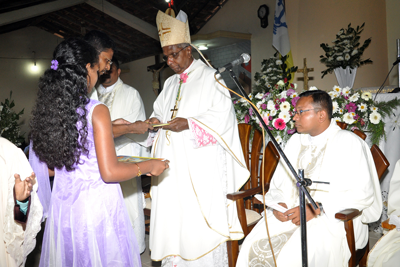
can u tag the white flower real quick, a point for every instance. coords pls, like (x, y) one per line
(269, 86)
(335, 107)
(284, 116)
(346, 91)
(362, 107)
(339, 58)
(354, 97)
(337, 119)
(251, 96)
(280, 83)
(375, 117)
(346, 50)
(335, 94)
(291, 124)
(294, 95)
(269, 69)
(295, 86)
(259, 104)
(312, 88)
(330, 58)
(259, 95)
(278, 139)
(265, 114)
(340, 111)
(395, 122)
(331, 94)
(285, 106)
(347, 57)
(374, 109)
(340, 32)
(348, 118)
(355, 51)
(1, 108)
(337, 89)
(366, 96)
(270, 105)
(273, 112)
(283, 94)
(278, 62)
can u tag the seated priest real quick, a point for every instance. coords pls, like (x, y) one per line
(329, 154)
(191, 218)
(20, 210)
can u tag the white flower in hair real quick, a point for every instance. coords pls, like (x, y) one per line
(312, 88)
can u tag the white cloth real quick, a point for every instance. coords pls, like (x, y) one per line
(335, 156)
(190, 213)
(394, 192)
(125, 102)
(16, 243)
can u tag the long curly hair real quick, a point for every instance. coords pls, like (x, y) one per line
(58, 125)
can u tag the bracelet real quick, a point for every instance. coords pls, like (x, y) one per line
(139, 172)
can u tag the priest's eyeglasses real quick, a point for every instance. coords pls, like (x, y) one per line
(108, 62)
(173, 55)
(299, 112)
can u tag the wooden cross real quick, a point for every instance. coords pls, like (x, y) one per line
(305, 72)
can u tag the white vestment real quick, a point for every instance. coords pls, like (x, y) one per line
(335, 156)
(125, 102)
(190, 215)
(16, 243)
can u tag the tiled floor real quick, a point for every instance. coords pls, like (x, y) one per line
(34, 257)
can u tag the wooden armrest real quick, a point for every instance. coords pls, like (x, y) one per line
(348, 214)
(147, 195)
(249, 192)
(386, 225)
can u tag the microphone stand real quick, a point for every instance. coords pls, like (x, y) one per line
(301, 181)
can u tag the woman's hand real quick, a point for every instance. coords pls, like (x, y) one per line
(158, 167)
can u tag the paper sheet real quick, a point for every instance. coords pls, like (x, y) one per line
(272, 206)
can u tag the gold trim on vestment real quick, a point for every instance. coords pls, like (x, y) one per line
(199, 256)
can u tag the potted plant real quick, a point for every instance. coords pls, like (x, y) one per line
(344, 56)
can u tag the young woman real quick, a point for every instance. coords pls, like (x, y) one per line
(87, 221)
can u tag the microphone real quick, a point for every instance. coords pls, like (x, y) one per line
(244, 58)
(397, 61)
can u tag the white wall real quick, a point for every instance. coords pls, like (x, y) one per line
(393, 33)
(16, 59)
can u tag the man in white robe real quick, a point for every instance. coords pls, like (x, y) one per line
(124, 102)
(326, 153)
(191, 218)
(19, 225)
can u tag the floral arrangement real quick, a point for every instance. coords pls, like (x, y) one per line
(360, 111)
(276, 108)
(345, 51)
(9, 127)
(273, 70)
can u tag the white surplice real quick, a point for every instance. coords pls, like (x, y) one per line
(336, 156)
(190, 215)
(125, 102)
(16, 243)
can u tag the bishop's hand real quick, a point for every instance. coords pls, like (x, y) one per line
(177, 125)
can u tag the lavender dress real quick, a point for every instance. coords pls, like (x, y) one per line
(87, 221)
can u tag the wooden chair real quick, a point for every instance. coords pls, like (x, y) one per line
(359, 257)
(249, 215)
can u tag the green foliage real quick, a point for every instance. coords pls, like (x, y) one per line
(345, 51)
(9, 127)
(273, 69)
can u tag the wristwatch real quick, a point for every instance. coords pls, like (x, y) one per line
(320, 207)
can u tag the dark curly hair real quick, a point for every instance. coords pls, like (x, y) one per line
(58, 124)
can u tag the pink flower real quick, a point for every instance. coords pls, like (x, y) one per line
(183, 77)
(277, 106)
(291, 131)
(266, 94)
(354, 128)
(290, 92)
(270, 128)
(265, 119)
(282, 100)
(270, 118)
(294, 100)
(351, 107)
(251, 111)
(246, 118)
(362, 122)
(279, 124)
(264, 106)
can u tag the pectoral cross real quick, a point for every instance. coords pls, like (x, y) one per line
(174, 111)
(305, 72)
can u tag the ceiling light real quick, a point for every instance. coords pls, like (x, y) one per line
(203, 47)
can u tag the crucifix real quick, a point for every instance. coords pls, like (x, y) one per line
(305, 72)
(174, 111)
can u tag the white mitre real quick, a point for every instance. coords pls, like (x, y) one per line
(172, 30)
